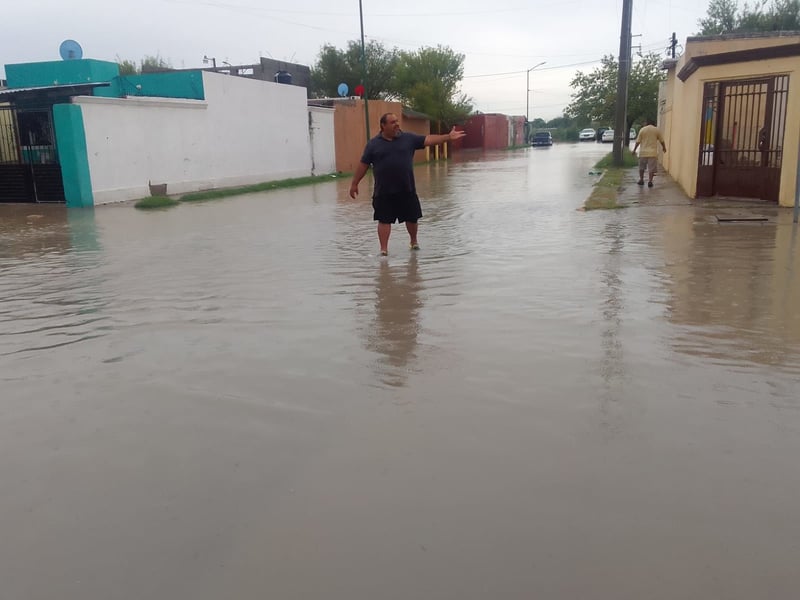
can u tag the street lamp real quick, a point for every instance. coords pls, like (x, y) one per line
(528, 90)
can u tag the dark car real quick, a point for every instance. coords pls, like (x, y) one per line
(542, 138)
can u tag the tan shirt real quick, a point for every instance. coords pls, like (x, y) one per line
(648, 139)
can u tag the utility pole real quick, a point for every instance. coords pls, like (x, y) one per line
(620, 125)
(364, 69)
(673, 43)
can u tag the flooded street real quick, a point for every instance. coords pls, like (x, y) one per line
(240, 399)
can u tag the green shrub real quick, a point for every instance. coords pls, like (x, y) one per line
(155, 202)
(257, 187)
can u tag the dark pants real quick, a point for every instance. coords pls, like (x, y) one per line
(397, 207)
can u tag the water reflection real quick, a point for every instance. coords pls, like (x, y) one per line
(612, 304)
(27, 229)
(48, 278)
(612, 307)
(268, 398)
(82, 229)
(396, 326)
(734, 289)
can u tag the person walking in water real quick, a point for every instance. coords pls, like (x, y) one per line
(391, 155)
(649, 138)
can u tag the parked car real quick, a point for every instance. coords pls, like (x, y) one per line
(586, 135)
(608, 136)
(542, 138)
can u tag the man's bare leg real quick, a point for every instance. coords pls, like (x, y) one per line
(412, 233)
(384, 229)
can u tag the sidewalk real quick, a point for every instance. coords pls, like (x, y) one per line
(666, 192)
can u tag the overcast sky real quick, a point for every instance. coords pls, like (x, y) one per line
(500, 39)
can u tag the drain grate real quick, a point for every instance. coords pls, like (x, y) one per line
(741, 219)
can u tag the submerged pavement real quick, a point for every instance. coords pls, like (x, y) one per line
(240, 398)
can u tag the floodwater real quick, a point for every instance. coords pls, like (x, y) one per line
(239, 399)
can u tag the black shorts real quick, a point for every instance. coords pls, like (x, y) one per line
(397, 207)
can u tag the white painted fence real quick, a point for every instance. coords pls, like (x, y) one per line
(244, 132)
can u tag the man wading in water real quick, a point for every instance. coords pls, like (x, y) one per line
(391, 154)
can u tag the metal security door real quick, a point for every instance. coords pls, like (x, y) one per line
(748, 145)
(29, 165)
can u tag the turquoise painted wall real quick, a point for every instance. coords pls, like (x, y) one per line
(170, 84)
(60, 72)
(71, 145)
(173, 84)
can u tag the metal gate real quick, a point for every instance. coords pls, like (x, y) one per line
(29, 166)
(741, 140)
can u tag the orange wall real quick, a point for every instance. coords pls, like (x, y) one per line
(487, 131)
(350, 129)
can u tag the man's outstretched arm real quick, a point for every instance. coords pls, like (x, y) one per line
(432, 140)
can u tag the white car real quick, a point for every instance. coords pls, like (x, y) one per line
(586, 135)
(608, 136)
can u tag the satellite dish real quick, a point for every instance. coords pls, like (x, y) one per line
(70, 50)
(342, 89)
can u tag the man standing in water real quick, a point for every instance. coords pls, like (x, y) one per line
(649, 137)
(391, 154)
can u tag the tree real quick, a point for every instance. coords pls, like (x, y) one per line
(335, 66)
(724, 16)
(720, 17)
(428, 81)
(154, 64)
(561, 122)
(595, 98)
(149, 64)
(643, 83)
(785, 15)
(126, 67)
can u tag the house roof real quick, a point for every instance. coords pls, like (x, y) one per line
(52, 92)
(738, 56)
(741, 35)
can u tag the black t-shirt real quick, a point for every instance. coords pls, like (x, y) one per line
(393, 162)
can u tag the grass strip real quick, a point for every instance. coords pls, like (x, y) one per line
(258, 187)
(153, 202)
(629, 159)
(605, 193)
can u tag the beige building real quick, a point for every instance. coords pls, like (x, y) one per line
(730, 114)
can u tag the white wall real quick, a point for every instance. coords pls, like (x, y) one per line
(245, 131)
(323, 145)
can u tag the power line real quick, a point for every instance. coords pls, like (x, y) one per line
(590, 62)
(449, 14)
